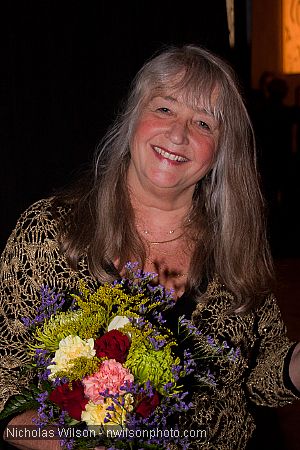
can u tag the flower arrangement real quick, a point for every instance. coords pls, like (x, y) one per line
(107, 363)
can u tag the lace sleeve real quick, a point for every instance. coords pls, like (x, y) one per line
(27, 259)
(266, 383)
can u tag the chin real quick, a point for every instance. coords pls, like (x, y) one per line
(164, 180)
(164, 184)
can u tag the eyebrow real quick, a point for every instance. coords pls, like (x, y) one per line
(175, 100)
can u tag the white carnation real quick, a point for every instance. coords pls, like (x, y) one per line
(70, 348)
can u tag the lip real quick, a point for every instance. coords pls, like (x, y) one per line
(170, 156)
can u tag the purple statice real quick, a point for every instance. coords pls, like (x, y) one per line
(168, 387)
(221, 350)
(142, 282)
(26, 321)
(176, 371)
(59, 381)
(43, 418)
(107, 418)
(158, 317)
(61, 421)
(67, 443)
(157, 343)
(50, 304)
(171, 403)
(42, 361)
(44, 375)
(188, 327)
(162, 295)
(111, 407)
(189, 363)
(211, 342)
(225, 345)
(211, 378)
(148, 389)
(234, 354)
(207, 379)
(136, 277)
(41, 358)
(42, 397)
(143, 309)
(139, 322)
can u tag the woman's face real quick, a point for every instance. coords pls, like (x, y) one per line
(173, 145)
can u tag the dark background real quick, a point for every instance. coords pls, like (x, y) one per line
(65, 68)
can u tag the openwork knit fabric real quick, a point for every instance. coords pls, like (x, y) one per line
(32, 259)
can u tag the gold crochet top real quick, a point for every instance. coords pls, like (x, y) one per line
(32, 259)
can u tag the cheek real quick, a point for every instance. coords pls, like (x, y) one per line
(206, 153)
(144, 130)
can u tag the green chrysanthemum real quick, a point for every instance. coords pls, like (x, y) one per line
(148, 364)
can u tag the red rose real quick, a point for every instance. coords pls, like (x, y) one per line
(71, 400)
(114, 345)
(147, 405)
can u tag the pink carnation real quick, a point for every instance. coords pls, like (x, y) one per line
(110, 378)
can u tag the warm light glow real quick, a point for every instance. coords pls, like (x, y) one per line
(230, 21)
(291, 36)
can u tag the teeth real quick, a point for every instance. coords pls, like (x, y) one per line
(170, 155)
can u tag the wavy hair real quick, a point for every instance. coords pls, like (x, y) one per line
(227, 213)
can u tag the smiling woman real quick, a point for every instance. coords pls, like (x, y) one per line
(175, 188)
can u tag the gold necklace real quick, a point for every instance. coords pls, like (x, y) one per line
(166, 241)
(172, 231)
(168, 232)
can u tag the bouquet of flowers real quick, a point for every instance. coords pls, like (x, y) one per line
(108, 367)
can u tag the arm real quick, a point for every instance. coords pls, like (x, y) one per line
(36, 444)
(268, 383)
(26, 419)
(294, 367)
(29, 260)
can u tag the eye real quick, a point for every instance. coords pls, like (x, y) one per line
(163, 110)
(203, 124)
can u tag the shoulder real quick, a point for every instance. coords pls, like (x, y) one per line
(39, 218)
(37, 226)
(42, 211)
(219, 301)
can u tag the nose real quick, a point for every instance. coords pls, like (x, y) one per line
(177, 132)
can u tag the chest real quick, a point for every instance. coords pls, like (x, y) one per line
(170, 261)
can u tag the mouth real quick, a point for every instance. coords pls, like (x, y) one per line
(168, 155)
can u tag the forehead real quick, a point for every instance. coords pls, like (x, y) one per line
(199, 102)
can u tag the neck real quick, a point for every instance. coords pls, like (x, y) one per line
(157, 214)
(160, 204)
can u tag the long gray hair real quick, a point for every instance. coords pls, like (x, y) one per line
(227, 211)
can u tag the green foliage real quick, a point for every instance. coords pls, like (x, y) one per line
(20, 403)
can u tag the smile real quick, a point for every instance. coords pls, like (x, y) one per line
(170, 156)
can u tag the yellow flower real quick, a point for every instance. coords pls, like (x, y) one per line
(70, 348)
(95, 414)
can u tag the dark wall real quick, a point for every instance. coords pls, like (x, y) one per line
(65, 68)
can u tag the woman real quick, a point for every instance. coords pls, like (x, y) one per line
(175, 187)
